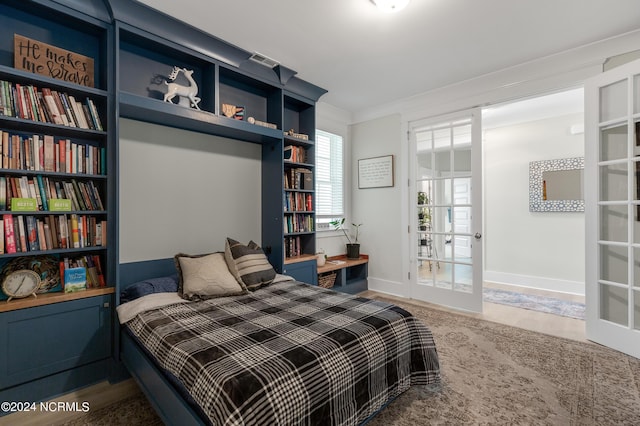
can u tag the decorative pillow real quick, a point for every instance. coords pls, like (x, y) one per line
(167, 284)
(248, 264)
(205, 276)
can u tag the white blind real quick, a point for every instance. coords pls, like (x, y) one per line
(329, 178)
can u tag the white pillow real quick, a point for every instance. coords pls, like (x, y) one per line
(206, 277)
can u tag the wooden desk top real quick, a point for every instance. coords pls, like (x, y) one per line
(328, 267)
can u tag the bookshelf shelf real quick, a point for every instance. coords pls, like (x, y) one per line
(51, 298)
(159, 112)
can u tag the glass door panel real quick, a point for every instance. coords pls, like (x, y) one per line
(614, 305)
(613, 182)
(613, 143)
(613, 101)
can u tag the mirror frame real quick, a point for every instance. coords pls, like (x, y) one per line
(536, 201)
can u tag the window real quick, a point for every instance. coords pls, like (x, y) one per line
(329, 179)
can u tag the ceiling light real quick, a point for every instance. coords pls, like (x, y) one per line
(390, 5)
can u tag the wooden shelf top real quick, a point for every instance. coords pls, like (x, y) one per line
(301, 258)
(50, 298)
(328, 266)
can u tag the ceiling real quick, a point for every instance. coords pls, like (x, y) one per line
(366, 58)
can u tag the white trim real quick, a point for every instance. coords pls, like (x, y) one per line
(393, 288)
(542, 75)
(540, 283)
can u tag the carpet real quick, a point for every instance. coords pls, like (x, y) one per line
(492, 374)
(545, 304)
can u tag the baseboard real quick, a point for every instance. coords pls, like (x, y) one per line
(392, 288)
(541, 283)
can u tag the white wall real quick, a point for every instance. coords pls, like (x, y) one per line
(184, 192)
(379, 209)
(553, 73)
(536, 249)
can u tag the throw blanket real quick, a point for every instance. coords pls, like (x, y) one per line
(290, 354)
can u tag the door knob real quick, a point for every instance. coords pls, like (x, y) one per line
(477, 236)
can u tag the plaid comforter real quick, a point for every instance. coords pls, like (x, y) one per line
(290, 354)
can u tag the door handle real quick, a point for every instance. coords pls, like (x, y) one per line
(477, 236)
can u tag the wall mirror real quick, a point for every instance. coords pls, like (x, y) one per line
(556, 185)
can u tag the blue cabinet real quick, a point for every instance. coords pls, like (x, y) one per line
(55, 348)
(305, 271)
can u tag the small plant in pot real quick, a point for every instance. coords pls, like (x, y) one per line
(353, 246)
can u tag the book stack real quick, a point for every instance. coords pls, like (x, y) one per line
(295, 154)
(28, 233)
(292, 246)
(81, 273)
(81, 195)
(298, 202)
(298, 223)
(47, 106)
(45, 154)
(298, 178)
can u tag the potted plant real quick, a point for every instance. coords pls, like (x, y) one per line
(353, 246)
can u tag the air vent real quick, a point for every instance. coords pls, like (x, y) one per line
(264, 60)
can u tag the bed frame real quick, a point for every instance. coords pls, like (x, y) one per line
(163, 396)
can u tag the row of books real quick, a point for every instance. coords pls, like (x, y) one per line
(298, 202)
(295, 154)
(298, 178)
(298, 223)
(47, 106)
(81, 273)
(82, 195)
(292, 246)
(45, 154)
(25, 233)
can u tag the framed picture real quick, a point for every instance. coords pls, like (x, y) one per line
(376, 172)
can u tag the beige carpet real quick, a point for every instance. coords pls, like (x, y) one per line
(492, 374)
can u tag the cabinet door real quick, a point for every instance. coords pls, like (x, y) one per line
(48, 339)
(303, 271)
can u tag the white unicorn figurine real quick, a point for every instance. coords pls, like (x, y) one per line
(175, 89)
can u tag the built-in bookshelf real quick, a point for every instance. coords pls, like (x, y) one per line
(237, 99)
(299, 178)
(55, 194)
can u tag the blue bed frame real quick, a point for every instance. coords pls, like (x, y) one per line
(167, 401)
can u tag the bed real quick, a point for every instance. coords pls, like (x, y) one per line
(282, 354)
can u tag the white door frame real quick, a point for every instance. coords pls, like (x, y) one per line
(471, 301)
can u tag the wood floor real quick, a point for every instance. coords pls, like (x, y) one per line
(104, 394)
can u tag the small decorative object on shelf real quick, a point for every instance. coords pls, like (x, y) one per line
(46, 267)
(300, 136)
(21, 283)
(252, 120)
(233, 111)
(187, 94)
(52, 61)
(321, 257)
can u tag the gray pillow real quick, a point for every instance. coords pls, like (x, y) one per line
(248, 264)
(205, 276)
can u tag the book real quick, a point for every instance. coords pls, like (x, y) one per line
(10, 241)
(75, 279)
(32, 233)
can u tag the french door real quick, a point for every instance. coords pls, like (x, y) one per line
(612, 208)
(445, 204)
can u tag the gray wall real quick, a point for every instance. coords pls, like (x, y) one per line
(184, 192)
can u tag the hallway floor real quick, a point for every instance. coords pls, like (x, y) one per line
(556, 325)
